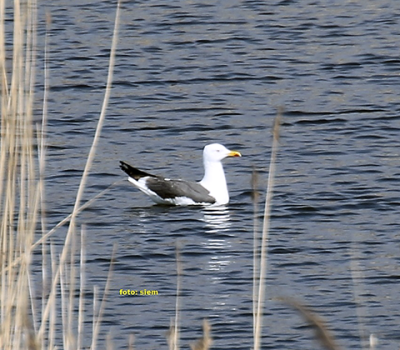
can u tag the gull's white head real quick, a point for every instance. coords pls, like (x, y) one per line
(216, 152)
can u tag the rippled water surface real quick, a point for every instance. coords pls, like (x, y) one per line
(193, 72)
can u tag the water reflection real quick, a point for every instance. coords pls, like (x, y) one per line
(217, 222)
(217, 219)
(220, 260)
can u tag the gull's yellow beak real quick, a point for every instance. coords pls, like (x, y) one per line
(234, 154)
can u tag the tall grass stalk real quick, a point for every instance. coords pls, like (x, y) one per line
(173, 332)
(265, 238)
(98, 316)
(254, 184)
(202, 343)
(357, 276)
(19, 194)
(82, 279)
(42, 240)
(178, 291)
(322, 333)
(41, 134)
(24, 325)
(71, 229)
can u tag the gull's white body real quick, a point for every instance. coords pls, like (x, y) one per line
(214, 176)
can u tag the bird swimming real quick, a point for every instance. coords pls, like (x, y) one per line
(212, 189)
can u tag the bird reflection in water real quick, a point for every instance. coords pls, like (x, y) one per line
(217, 224)
(217, 219)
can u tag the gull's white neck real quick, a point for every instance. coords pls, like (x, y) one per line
(214, 181)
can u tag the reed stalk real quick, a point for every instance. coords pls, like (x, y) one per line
(173, 332)
(322, 333)
(262, 268)
(178, 291)
(25, 321)
(19, 192)
(71, 229)
(255, 195)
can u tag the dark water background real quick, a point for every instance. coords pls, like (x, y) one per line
(193, 72)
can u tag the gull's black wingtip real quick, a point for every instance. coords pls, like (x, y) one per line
(133, 172)
(124, 166)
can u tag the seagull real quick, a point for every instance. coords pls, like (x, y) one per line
(212, 189)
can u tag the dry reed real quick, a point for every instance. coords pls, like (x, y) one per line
(28, 322)
(260, 263)
(322, 333)
(204, 343)
(260, 258)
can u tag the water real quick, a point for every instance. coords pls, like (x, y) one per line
(189, 73)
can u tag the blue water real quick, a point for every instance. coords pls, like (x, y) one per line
(190, 73)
